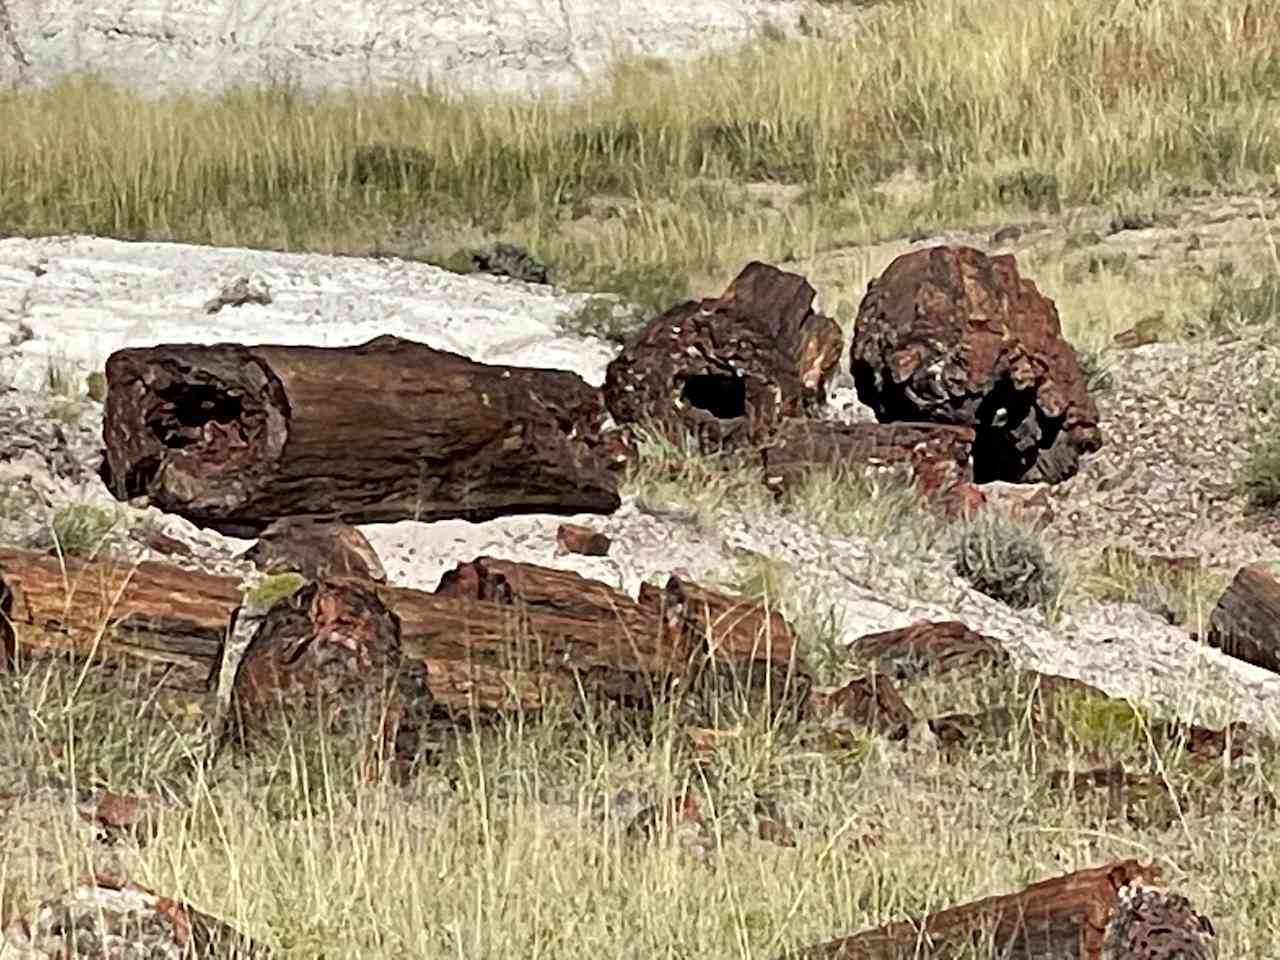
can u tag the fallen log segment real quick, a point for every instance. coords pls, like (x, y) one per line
(150, 614)
(1092, 914)
(797, 447)
(1246, 622)
(499, 636)
(236, 437)
(725, 369)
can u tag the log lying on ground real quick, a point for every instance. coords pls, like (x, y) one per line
(1095, 914)
(798, 446)
(725, 369)
(235, 437)
(670, 632)
(1246, 622)
(150, 614)
(542, 636)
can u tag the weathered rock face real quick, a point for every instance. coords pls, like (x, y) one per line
(950, 335)
(728, 369)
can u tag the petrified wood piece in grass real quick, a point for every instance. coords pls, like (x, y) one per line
(1101, 913)
(936, 646)
(674, 632)
(236, 437)
(725, 369)
(950, 335)
(797, 447)
(316, 549)
(108, 916)
(1246, 622)
(151, 614)
(872, 702)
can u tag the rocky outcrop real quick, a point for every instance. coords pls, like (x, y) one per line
(950, 335)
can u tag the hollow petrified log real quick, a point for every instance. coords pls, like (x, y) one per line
(725, 369)
(151, 614)
(235, 437)
(1102, 913)
(1246, 622)
(950, 335)
(798, 446)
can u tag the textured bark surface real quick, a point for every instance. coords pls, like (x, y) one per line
(950, 335)
(315, 549)
(726, 369)
(798, 446)
(1246, 622)
(234, 437)
(1063, 918)
(932, 646)
(152, 614)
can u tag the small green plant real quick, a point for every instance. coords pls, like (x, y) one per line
(1005, 561)
(1259, 477)
(77, 530)
(96, 386)
(271, 590)
(604, 318)
(1034, 188)
(1236, 303)
(1097, 371)
(59, 378)
(500, 259)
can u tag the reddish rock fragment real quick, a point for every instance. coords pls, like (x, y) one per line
(871, 702)
(572, 538)
(107, 917)
(316, 548)
(936, 646)
(950, 335)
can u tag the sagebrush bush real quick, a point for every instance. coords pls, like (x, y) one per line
(77, 529)
(1007, 562)
(1259, 477)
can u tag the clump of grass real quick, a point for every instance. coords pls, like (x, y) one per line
(500, 259)
(1007, 562)
(1259, 476)
(79, 529)
(605, 318)
(96, 386)
(1036, 189)
(1172, 591)
(1237, 303)
(1097, 370)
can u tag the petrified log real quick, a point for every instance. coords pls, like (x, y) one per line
(673, 631)
(316, 549)
(936, 646)
(798, 446)
(235, 437)
(573, 538)
(1246, 622)
(151, 614)
(950, 335)
(1102, 913)
(725, 369)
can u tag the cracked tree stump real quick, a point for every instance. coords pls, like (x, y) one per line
(1104, 913)
(726, 369)
(235, 437)
(1246, 622)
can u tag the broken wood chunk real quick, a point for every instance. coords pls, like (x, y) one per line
(237, 437)
(871, 702)
(797, 447)
(572, 538)
(937, 647)
(726, 369)
(1101, 913)
(315, 548)
(1246, 622)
